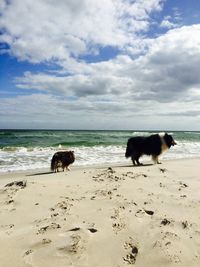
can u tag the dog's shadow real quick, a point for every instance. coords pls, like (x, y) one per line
(135, 166)
(118, 166)
(39, 173)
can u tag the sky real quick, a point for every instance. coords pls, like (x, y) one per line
(108, 65)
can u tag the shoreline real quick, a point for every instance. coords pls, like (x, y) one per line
(43, 171)
(107, 215)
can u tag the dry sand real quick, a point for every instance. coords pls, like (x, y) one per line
(144, 216)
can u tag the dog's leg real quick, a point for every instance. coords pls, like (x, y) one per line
(55, 167)
(138, 163)
(137, 157)
(63, 166)
(68, 168)
(155, 159)
(133, 160)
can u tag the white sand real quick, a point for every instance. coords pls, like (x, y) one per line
(142, 216)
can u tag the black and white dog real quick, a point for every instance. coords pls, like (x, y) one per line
(152, 145)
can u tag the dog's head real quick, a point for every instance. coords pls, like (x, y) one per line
(68, 152)
(70, 155)
(169, 140)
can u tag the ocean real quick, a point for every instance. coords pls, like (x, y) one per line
(33, 149)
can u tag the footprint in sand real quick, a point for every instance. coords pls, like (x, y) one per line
(107, 175)
(35, 247)
(103, 194)
(185, 224)
(19, 184)
(131, 256)
(165, 222)
(118, 226)
(182, 186)
(64, 206)
(140, 213)
(57, 212)
(8, 228)
(9, 192)
(163, 170)
(118, 223)
(62, 249)
(51, 226)
(39, 244)
(91, 230)
(74, 247)
(74, 229)
(171, 246)
(28, 257)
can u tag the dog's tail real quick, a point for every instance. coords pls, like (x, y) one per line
(128, 150)
(53, 161)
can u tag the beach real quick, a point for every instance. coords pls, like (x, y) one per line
(23, 150)
(102, 216)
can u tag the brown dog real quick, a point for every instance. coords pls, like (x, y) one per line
(62, 159)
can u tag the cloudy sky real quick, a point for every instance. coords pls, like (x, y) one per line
(109, 64)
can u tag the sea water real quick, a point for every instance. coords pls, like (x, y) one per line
(33, 149)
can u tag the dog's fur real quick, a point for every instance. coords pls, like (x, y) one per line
(62, 159)
(152, 145)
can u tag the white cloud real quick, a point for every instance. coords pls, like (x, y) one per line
(166, 23)
(151, 82)
(80, 85)
(46, 111)
(156, 86)
(44, 30)
(169, 22)
(162, 74)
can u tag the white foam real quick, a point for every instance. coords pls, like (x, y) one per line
(21, 158)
